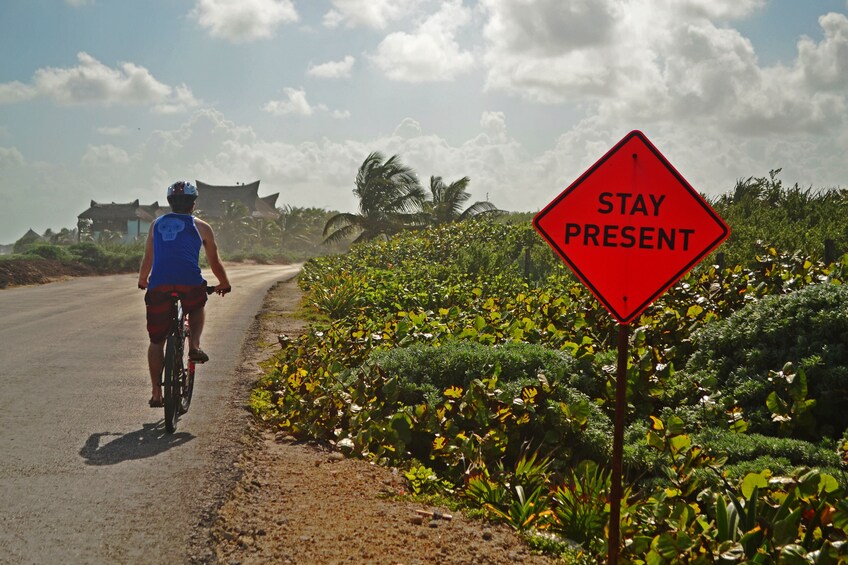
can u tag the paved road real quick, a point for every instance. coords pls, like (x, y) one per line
(86, 469)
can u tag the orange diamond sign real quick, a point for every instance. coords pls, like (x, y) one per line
(630, 227)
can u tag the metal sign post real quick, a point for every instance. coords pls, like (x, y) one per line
(618, 445)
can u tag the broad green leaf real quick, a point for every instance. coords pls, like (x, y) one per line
(786, 530)
(675, 425)
(679, 443)
(793, 554)
(828, 483)
(403, 426)
(655, 441)
(776, 404)
(694, 311)
(751, 482)
(739, 426)
(840, 517)
(665, 546)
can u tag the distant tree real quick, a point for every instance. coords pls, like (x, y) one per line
(301, 228)
(265, 233)
(64, 237)
(390, 198)
(447, 201)
(235, 228)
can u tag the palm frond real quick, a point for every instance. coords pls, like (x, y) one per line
(344, 233)
(341, 220)
(483, 208)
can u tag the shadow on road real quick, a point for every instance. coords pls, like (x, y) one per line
(150, 440)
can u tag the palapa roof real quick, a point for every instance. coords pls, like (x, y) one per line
(128, 211)
(211, 199)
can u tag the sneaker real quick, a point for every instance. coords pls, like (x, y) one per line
(198, 356)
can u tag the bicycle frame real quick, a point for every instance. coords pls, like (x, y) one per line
(177, 378)
(178, 374)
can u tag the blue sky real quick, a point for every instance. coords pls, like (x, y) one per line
(113, 100)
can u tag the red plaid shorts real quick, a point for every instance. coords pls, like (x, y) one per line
(158, 301)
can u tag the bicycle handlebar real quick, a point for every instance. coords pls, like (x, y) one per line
(221, 291)
(209, 289)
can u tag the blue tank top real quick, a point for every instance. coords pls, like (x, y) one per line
(176, 251)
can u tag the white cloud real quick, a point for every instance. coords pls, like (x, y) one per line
(10, 157)
(243, 20)
(322, 173)
(369, 13)
(113, 130)
(431, 53)
(92, 82)
(825, 64)
(494, 125)
(181, 101)
(719, 9)
(104, 156)
(659, 62)
(11, 92)
(408, 128)
(333, 69)
(549, 27)
(294, 104)
(551, 51)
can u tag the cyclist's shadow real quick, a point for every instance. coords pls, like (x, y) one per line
(150, 440)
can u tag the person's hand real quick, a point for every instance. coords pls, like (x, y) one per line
(221, 290)
(142, 285)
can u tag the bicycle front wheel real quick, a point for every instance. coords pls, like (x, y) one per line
(171, 389)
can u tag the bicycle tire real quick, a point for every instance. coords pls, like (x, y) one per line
(186, 377)
(171, 384)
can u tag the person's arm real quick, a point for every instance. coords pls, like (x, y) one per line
(211, 248)
(147, 261)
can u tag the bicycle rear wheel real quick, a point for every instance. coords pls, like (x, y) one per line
(186, 378)
(171, 390)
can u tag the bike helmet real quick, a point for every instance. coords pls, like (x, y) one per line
(182, 188)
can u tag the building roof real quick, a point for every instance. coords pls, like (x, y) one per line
(128, 211)
(211, 199)
(31, 236)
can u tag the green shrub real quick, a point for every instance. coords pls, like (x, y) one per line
(567, 421)
(424, 371)
(744, 453)
(808, 327)
(88, 253)
(748, 447)
(49, 251)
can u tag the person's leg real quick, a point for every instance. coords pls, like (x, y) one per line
(194, 300)
(158, 318)
(196, 320)
(156, 362)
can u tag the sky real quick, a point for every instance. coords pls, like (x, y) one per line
(113, 100)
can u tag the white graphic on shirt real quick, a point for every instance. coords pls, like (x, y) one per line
(169, 228)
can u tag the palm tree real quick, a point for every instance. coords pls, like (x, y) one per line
(390, 198)
(301, 228)
(233, 227)
(448, 200)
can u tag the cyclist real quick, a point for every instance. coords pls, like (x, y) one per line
(171, 264)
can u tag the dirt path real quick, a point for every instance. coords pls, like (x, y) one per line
(298, 503)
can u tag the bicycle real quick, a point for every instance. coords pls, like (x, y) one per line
(177, 379)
